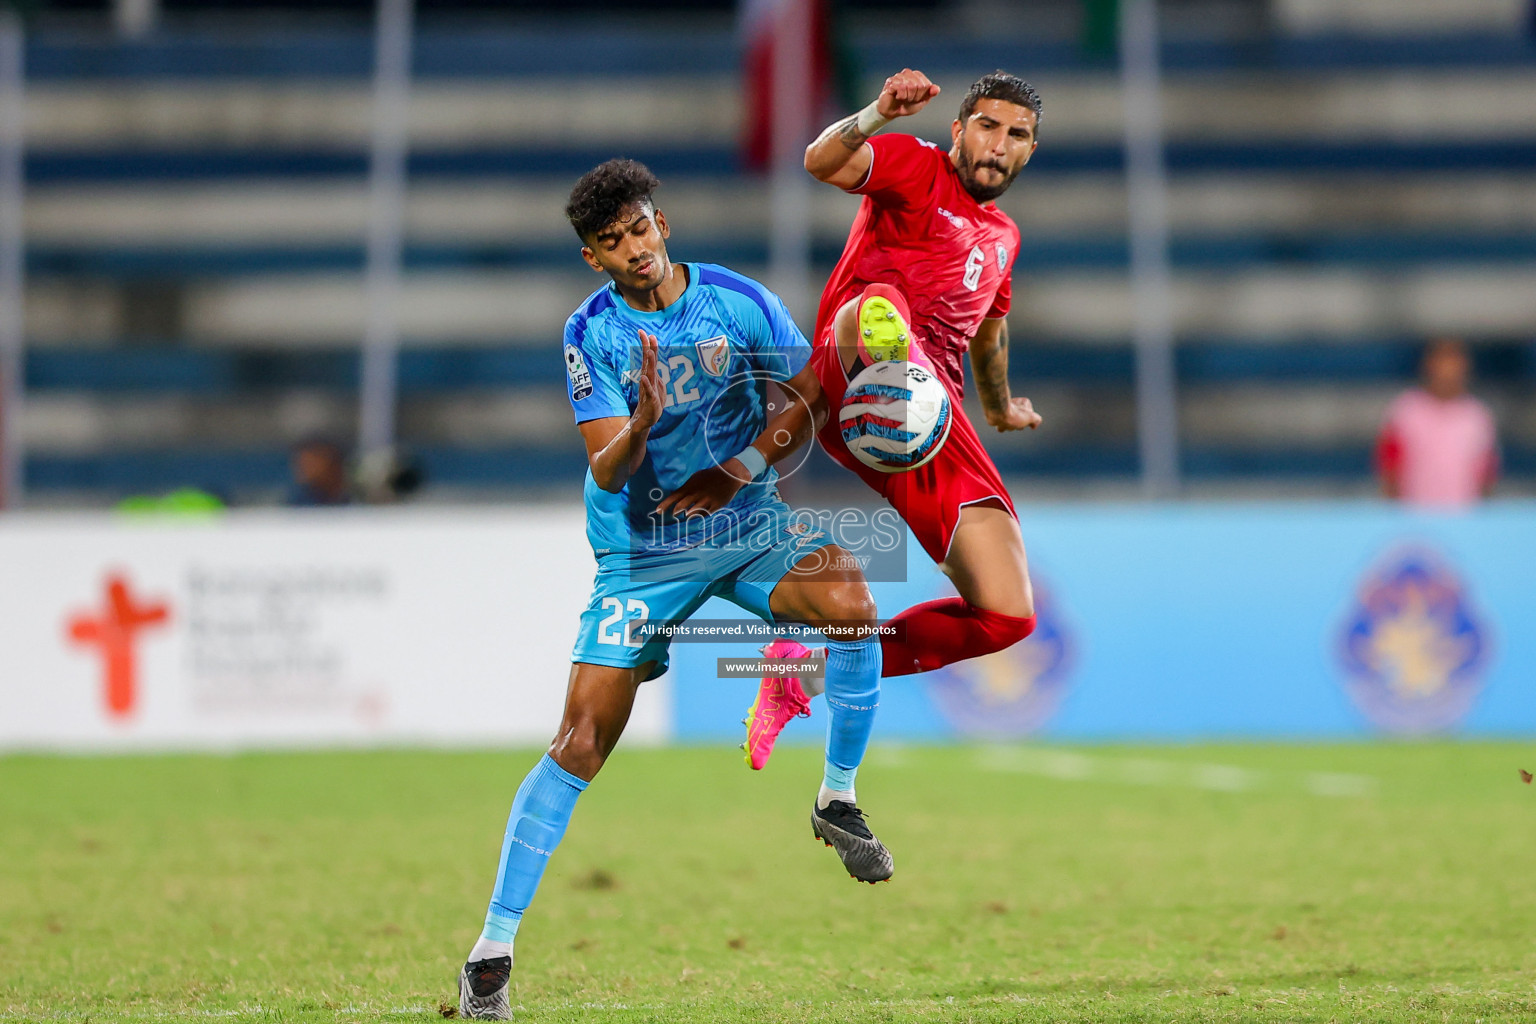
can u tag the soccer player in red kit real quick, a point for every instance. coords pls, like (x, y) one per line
(925, 276)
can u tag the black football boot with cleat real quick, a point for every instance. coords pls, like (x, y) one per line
(841, 826)
(483, 989)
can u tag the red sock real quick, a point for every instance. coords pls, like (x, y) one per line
(938, 633)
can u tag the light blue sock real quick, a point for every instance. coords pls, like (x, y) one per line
(540, 813)
(853, 694)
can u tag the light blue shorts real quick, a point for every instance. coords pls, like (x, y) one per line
(743, 568)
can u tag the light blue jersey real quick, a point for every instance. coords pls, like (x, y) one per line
(721, 342)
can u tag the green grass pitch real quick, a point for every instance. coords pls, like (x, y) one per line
(1388, 882)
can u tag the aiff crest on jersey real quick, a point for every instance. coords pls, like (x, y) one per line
(1412, 646)
(714, 354)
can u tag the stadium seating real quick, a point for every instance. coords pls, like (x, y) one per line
(197, 205)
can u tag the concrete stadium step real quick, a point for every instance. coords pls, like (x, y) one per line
(326, 116)
(204, 220)
(1303, 302)
(1254, 415)
(322, 212)
(1271, 106)
(56, 423)
(307, 310)
(1314, 53)
(327, 309)
(1381, 157)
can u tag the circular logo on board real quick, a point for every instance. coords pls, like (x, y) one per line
(1413, 647)
(1013, 692)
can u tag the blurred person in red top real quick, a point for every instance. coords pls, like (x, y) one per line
(1438, 445)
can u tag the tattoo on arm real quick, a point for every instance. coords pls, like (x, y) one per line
(990, 368)
(847, 132)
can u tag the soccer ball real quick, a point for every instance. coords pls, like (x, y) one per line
(895, 416)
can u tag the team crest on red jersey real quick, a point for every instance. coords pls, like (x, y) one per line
(1002, 258)
(714, 354)
(1413, 648)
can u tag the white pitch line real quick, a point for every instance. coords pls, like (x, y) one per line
(1226, 778)
(1071, 766)
(1142, 771)
(1056, 764)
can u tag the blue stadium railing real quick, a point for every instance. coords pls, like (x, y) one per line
(146, 368)
(245, 471)
(1374, 157)
(487, 51)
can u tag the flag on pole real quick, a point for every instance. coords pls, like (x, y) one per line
(766, 27)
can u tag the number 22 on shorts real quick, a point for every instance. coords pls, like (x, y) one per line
(638, 612)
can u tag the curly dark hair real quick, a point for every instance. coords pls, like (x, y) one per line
(606, 191)
(1000, 85)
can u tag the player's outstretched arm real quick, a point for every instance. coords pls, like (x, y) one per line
(615, 445)
(839, 155)
(712, 488)
(989, 365)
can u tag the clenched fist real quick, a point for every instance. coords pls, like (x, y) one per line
(905, 93)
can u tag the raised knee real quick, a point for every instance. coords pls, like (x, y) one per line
(1019, 604)
(579, 749)
(845, 323)
(1003, 631)
(853, 606)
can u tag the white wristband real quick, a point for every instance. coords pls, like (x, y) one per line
(755, 461)
(871, 120)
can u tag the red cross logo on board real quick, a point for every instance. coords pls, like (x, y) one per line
(114, 632)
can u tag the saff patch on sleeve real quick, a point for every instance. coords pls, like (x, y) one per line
(576, 370)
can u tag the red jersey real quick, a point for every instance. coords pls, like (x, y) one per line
(919, 230)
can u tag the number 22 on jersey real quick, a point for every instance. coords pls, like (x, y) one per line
(675, 373)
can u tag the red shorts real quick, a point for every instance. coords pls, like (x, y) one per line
(930, 497)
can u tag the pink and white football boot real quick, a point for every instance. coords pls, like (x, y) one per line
(779, 699)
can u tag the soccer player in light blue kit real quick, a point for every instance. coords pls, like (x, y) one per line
(667, 368)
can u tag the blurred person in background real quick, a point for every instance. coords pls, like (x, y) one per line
(1438, 446)
(319, 468)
